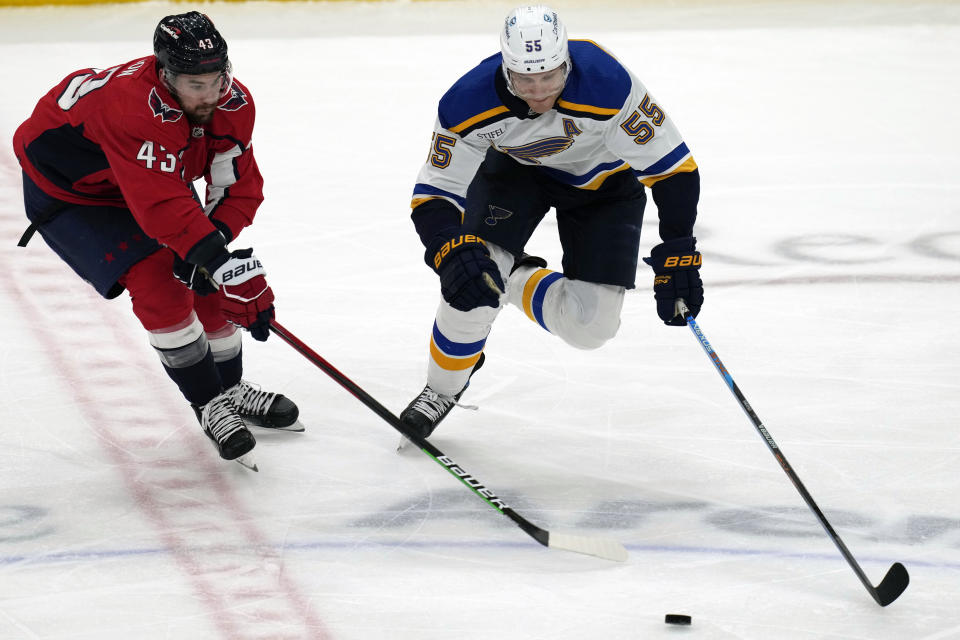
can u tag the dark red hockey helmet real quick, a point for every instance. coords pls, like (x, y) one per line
(188, 43)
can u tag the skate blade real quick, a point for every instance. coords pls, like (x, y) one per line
(296, 427)
(248, 462)
(404, 442)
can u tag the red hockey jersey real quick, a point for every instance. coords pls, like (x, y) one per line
(117, 137)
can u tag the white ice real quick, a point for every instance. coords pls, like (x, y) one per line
(827, 137)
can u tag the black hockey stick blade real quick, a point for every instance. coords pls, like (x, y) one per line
(892, 585)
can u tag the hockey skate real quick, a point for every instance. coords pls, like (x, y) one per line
(260, 408)
(223, 425)
(426, 411)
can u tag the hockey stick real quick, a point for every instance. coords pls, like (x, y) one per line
(600, 547)
(897, 578)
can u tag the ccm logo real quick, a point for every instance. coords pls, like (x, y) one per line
(683, 261)
(452, 244)
(248, 268)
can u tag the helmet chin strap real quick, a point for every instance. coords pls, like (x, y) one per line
(167, 84)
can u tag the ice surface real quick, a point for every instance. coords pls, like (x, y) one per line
(827, 139)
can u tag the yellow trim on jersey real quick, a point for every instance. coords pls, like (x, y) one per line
(529, 289)
(688, 166)
(597, 182)
(586, 108)
(451, 364)
(416, 202)
(489, 113)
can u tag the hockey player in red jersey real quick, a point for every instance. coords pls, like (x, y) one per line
(547, 123)
(109, 159)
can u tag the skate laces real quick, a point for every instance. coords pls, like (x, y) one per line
(220, 418)
(434, 406)
(249, 399)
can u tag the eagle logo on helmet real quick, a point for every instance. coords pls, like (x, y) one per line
(161, 109)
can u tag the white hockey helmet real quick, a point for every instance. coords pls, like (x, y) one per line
(533, 40)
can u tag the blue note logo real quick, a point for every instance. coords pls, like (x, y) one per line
(496, 214)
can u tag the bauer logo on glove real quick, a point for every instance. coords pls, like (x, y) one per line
(676, 264)
(682, 261)
(452, 244)
(235, 272)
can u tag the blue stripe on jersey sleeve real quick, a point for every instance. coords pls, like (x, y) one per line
(471, 95)
(665, 162)
(421, 189)
(597, 78)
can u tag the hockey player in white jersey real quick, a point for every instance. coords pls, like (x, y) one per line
(546, 123)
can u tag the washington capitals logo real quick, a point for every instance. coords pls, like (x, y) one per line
(236, 100)
(173, 32)
(539, 149)
(162, 109)
(496, 213)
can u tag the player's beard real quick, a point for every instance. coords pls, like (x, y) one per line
(202, 114)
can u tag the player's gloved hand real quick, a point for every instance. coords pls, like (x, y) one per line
(246, 298)
(192, 277)
(468, 277)
(676, 267)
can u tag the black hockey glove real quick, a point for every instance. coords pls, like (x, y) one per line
(468, 277)
(676, 268)
(189, 273)
(191, 276)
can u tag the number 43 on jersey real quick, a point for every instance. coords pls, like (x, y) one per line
(146, 154)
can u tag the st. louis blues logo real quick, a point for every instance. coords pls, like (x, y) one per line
(539, 149)
(496, 213)
(236, 100)
(161, 109)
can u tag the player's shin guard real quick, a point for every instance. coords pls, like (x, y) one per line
(456, 351)
(227, 351)
(456, 343)
(583, 314)
(187, 359)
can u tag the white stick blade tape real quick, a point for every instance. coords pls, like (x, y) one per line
(599, 547)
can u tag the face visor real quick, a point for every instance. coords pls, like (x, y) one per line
(199, 87)
(537, 86)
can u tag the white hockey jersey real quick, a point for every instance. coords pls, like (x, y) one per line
(604, 122)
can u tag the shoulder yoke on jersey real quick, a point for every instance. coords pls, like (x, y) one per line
(472, 101)
(598, 85)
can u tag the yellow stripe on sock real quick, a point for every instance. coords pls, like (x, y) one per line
(528, 290)
(451, 364)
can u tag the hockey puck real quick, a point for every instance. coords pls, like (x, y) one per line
(677, 618)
